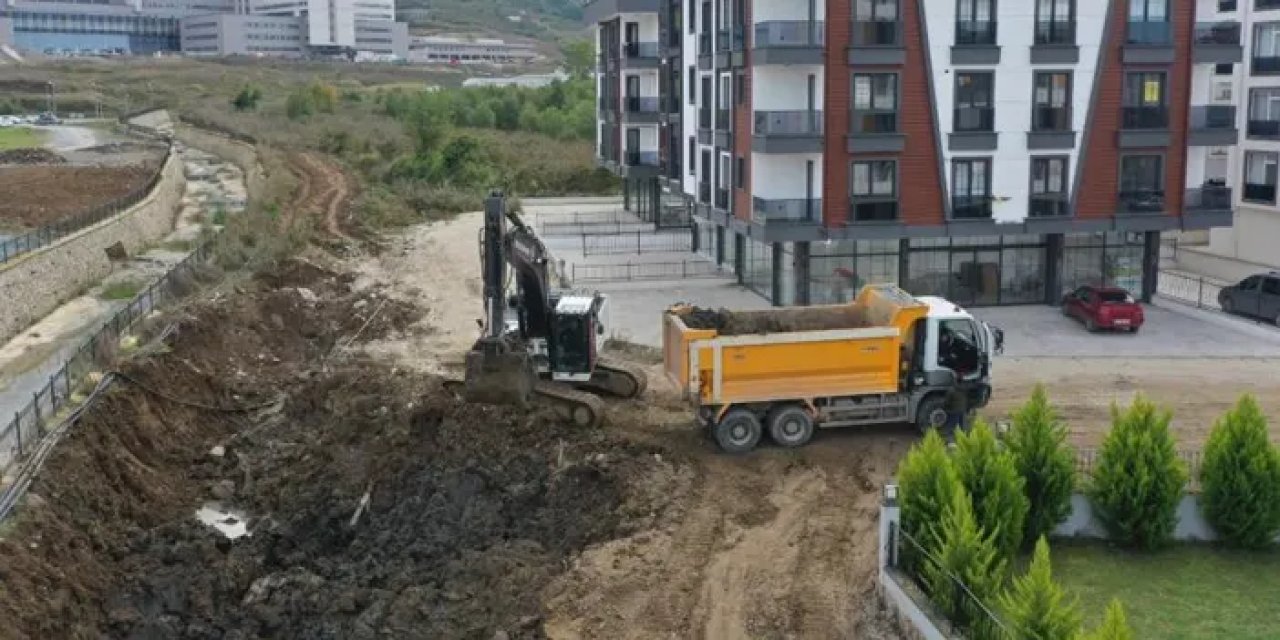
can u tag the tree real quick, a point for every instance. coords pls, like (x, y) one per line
(1046, 464)
(990, 477)
(579, 57)
(1138, 479)
(926, 483)
(247, 99)
(1114, 626)
(1036, 607)
(298, 106)
(1240, 478)
(966, 569)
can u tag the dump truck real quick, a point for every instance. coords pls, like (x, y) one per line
(885, 357)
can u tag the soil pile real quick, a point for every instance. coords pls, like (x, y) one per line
(736, 323)
(30, 155)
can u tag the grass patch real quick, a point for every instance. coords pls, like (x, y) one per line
(121, 290)
(19, 138)
(178, 246)
(1188, 592)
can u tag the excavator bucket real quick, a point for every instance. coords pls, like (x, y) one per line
(499, 374)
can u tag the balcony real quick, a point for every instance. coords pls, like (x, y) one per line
(640, 55)
(1217, 42)
(641, 110)
(865, 210)
(971, 207)
(1051, 129)
(1055, 43)
(1210, 198)
(1141, 201)
(786, 210)
(1265, 65)
(1213, 125)
(788, 132)
(973, 129)
(1146, 126)
(1264, 129)
(1047, 205)
(1265, 193)
(722, 199)
(876, 33)
(789, 42)
(975, 43)
(596, 11)
(641, 159)
(874, 131)
(1148, 42)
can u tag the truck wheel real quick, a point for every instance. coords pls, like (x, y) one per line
(738, 432)
(931, 414)
(790, 426)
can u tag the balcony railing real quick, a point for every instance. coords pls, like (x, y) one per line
(1147, 32)
(722, 198)
(1050, 119)
(704, 118)
(641, 158)
(876, 33)
(790, 33)
(787, 210)
(1055, 32)
(872, 210)
(971, 207)
(640, 50)
(976, 32)
(704, 192)
(1265, 65)
(874, 122)
(640, 104)
(1048, 205)
(974, 119)
(1208, 198)
(1264, 128)
(1151, 117)
(1259, 193)
(1217, 33)
(788, 123)
(1214, 116)
(1142, 201)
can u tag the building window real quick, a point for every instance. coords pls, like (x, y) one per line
(971, 188)
(873, 192)
(693, 86)
(1048, 187)
(1142, 183)
(1266, 4)
(739, 172)
(975, 22)
(1266, 48)
(1260, 177)
(1149, 22)
(1226, 5)
(1144, 101)
(1224, 69)
(693, 156)
(875, 22)
(1264, 112)
(974, 110)
(1055, 22)
(875, 103)
(1051, 102)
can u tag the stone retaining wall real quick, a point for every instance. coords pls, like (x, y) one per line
(34, 284)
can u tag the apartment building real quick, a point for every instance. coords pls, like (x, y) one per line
(994, 152)
(457, 50)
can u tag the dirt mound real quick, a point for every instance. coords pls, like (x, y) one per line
(736, 323)
(30, 155)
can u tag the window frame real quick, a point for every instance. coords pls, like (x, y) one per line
(870, 197)
(962, 37)
(1053, 20)
(975, 76)
(1062, 195)
(1161, 178)
(1066, 99)
(970, 163)
(855, 125)
(1246, 164)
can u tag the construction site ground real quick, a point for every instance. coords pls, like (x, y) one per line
(354, 498)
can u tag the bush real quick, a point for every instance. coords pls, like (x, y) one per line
(1138, 478)
(926, 483)
(1035, 607)
(1047, 466)
(990, 477)
(966, 554)
(1114, 626)
(1240, 478)
(247, 99)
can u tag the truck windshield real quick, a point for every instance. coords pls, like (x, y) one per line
(958, 346)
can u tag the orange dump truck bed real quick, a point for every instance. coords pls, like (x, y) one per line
(723, 358)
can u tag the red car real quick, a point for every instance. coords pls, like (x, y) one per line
(1103, 308)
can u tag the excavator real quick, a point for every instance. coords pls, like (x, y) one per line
(551, 350)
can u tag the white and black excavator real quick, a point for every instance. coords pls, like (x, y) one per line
(552, 351)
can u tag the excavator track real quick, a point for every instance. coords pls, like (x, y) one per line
(582, 408)
(617, 378)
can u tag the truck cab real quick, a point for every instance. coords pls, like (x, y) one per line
(950, 347)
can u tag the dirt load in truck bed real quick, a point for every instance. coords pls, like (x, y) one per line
(736, 323)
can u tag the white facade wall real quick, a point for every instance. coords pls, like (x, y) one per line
(781, 176)
(786, 88)
(771, 10)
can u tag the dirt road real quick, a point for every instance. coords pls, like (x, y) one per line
(324, 193)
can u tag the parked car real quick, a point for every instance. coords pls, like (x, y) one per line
(1103, 308)
(1257, 296)
(47, 118)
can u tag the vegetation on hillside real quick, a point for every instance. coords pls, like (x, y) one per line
(546, 20)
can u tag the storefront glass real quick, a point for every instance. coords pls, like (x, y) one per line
(1107, 259)
(837, 270)
(979, 270)
(758, 269)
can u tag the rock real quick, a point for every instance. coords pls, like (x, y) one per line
(218, 451)
(307, 295)
(500, 635)
(360, 304)
(224, 489)
(529, 621)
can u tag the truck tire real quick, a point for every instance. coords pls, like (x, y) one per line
(931, 414)
(738, 432)
(790, 426)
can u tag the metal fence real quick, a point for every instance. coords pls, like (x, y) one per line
(552, 229)
(1086, 459)
(636, 242)
(1198, 291)
(48, 234)
(969, 615)
(644, 271)
(29, 424)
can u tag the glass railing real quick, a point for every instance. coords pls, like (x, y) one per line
(1050, 119)
(640, 50)
(1214, 116)
(876, 33)
(872, 210)
(971, 207)
(1055, 32)
(1147, 32)
(788, 123)
(790, 33)
(1152, 117)
(1209, 197)
(642, 158)
(874, 122)
(1259, 192)
(1047, 205)
(1264, 129)
(1142, 201)
(976, 32)
(978, 119)
(787, 210)
(1265, 65)
(636, 104)
(1217, 33)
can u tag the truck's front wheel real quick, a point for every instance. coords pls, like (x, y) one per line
(790, 426)
(931, 414)
(738, 432)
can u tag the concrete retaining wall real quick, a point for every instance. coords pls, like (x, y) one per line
(1083, 523)
(34, 284)
(238, 153)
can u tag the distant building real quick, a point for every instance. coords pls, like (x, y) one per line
(530, 80)
(452, 50)
(291, 37)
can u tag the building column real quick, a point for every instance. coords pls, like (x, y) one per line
(1053, 244)
(775, 279)
(802, 274)
(1150, 265)
(904, 263)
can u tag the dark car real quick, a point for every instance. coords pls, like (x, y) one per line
(1256, 296)
(1103, 308)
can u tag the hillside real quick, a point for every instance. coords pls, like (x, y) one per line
(547, 21)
